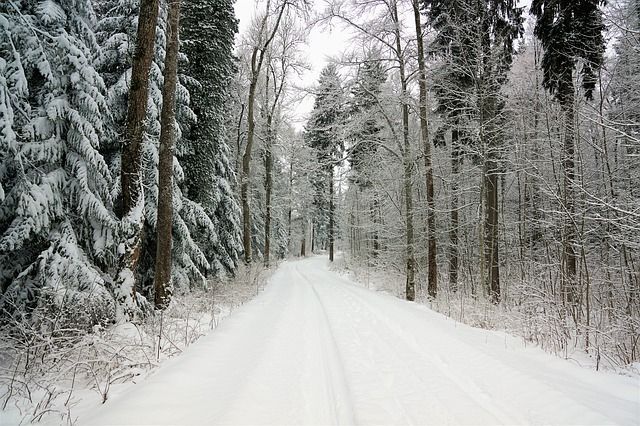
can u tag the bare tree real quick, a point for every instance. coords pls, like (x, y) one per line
(432, 280)
(266, 31)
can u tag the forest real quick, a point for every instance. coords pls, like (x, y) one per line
(478, 157)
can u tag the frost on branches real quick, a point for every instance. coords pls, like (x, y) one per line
(56, 220)
(65, 72)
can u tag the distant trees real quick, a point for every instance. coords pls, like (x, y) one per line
(324, 134)
(364, 135)
(266, 30)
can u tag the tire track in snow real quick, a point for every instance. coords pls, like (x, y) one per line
(427, 383)
(415, 355)
(336, 387)
(474, 370)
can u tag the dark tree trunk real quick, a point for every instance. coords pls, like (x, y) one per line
(290, 211)
(375, 209)
(453, 230)
(268, 185)
(246, 169)
(568, 198)
(162, 282)
(132, 195)
(410, 286)
(491, 230)
(257, 59)
(331, 215)
(432, 281)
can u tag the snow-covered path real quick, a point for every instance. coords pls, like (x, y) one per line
(316, 349)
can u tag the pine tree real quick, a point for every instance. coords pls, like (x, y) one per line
(570, 32)
(57, 228)
(364, 129)
(324, 134)
(205, 154)
(365, 134)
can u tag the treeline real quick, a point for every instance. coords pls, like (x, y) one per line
(113, 141)
(482, 151)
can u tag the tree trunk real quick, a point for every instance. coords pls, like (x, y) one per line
(432, 281)
(130, 180)
(410, 286)
(290, 210)
(331, 214)
(375, 208)
(162, 282)
(246, 170)
(257, 59)
(268, 185)
(568, 198)
(453, 230)
(491, 229)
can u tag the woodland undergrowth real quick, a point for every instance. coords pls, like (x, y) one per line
(44, 375)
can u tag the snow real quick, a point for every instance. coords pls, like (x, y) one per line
(314, 348)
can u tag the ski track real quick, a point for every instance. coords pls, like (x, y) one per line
(314, 348)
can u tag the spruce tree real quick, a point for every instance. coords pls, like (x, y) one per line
(57, 228)
(324, 135)
(207, 33)
(117, 36)
(571, 33)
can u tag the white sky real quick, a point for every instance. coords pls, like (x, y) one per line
(322, 45)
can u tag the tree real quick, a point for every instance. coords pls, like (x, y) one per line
(282, 60)
(453, 43)
(195, 234)
(479, 60)
(57, 229)
(383, 27)
(132, 210)
(324, 135)
(570, 32)
(432, 280)
(162, 282)
(205, 152)
(365, 133)
(266, 32)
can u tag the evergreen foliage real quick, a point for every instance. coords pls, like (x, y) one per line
(57, 227)
(364, 119)
(208, 30)
(323, 133)
(570, 31)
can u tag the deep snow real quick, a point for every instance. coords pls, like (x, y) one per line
(316, 349)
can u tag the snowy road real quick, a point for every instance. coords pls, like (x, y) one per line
(316, 349)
